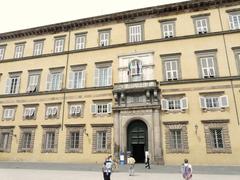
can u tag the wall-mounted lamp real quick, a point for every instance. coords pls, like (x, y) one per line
(196, 128)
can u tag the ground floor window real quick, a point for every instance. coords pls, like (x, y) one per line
(176, 137)
(102, 138)
(217, 136)
(50, 139)
(74, 139)
(26, 141)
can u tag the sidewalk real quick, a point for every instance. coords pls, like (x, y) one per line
(139, 168)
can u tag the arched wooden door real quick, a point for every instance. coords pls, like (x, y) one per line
(137, 140)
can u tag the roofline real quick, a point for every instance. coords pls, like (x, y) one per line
(125, 16)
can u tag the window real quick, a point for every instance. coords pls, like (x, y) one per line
(135, 70)
(168, 29)
(75, 110)
(77, 79)
(171, 66)
(9, 113)
(214, 102)
(50, 139)
(104, 38)
(102, 108)
(234, 20)
(103, 76)
(80, 41)
(38, 48)
(26, 141)
(30, 112)
(101, 138)
(6, 139)
(217, 136)
(52, 111)
(174, 104)
(33, 82)
(208, 67)
(237, 57)
(135, 33)
(59, 45)
(2, 52)
(176, 139)
(74, 140)
(101, 141)
(19, 49)
(201, 25)
(13, 84)
(54, 81)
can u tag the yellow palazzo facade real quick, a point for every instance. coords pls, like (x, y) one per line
(161, 80)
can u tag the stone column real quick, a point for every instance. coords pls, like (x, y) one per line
(157, 157)
(116, 133)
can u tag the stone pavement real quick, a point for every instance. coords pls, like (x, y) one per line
(64, 171)
(33, 174)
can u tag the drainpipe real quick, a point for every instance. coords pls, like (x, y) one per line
(65, 81)
(229, 69)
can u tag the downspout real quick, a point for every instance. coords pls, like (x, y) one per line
(229, 69)
(65, 81)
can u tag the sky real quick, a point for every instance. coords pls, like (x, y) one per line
(22, 14)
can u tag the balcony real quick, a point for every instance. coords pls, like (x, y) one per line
(135, 86)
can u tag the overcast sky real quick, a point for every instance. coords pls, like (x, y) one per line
(22, 14)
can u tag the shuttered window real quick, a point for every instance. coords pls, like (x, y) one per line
(214, 102)
(77, 79)
(135, 33)
(80, 42)
(2, 52)
(38, 48)
(172, 104)
(201, 26)
(19, 50)
(103, 76)
(208, 67)
(104, 38)
(54, 81)
(168, 29)
(13, 84)
(33, 83)
(234, 21)
(59, 45)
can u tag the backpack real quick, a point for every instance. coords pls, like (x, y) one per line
(187, 171)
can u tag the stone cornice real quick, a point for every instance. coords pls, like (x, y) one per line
(174, 122)
(143, 13)
(55, 92)
(188, 81)
(216, 121)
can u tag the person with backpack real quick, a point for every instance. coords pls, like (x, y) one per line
(107, 168)
(186, 170)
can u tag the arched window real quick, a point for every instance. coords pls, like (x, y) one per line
(135, 70)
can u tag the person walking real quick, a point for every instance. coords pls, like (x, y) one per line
(131, 162)
(147, 163)
(186, 170)
(107, 168)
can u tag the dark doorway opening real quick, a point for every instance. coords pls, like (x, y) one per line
(137, 140)
(138, 153)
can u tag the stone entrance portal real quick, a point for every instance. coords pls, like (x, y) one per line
(137, 140)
